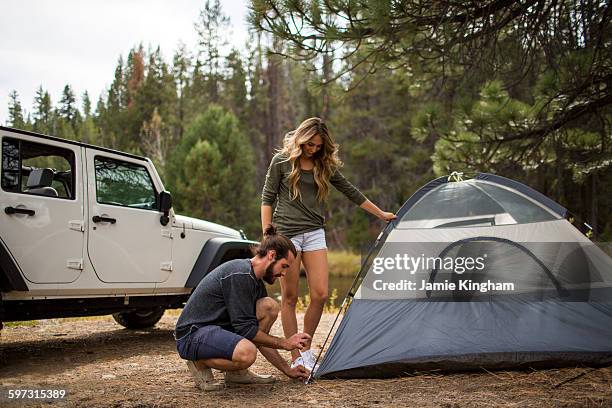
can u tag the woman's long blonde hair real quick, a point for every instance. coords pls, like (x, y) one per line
(326, 160)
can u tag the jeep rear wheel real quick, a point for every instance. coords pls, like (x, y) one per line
(139, 319)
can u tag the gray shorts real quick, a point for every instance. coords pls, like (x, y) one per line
(310, 241)
(205, 342)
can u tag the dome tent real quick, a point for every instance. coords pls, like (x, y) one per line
(481, 273)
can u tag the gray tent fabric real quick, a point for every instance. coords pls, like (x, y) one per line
(528, 191)
(467, 335)
(541, 295)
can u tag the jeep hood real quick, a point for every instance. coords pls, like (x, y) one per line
(201, 225)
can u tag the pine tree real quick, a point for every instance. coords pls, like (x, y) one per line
(235, 91)
(135, 73)
(212, 26)
(89, 132)
(43, 113)
(257, 104)
(213, 166)
(67, 105)
(372, 127)
(86, 104)
(152, 139)
(181, 66)
(117, 94)
(111, 113)
(15, 118)
(198, 98)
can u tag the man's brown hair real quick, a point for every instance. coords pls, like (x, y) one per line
(272, 240)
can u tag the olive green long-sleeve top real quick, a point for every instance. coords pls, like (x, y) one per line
(298, 216)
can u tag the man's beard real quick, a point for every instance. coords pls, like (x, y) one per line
(269, 274)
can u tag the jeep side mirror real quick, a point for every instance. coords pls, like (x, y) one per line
(165, 204)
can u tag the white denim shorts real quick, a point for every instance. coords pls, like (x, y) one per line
(310, 241)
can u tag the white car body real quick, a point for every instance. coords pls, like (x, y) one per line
(59, 252)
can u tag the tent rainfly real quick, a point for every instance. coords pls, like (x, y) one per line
(480, 273)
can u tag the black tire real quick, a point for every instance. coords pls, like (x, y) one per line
(139, 319)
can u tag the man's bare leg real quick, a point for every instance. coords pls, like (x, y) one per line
(266, 311)
(245, 352)
(243, 357)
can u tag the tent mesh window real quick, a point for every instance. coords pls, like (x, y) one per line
(473, 203)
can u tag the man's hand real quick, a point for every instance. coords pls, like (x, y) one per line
(297, 341)
(298, 372)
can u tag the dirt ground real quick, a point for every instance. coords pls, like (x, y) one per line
(101, 364)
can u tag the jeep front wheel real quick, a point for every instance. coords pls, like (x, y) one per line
(139, 319)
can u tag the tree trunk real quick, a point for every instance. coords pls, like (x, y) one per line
(327, 76)
(594, 203)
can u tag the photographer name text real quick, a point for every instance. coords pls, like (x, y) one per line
(462, 285)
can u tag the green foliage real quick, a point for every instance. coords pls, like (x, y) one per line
(423, 119)
(43, 112)
(211, 27)
(372, 125)
(477, 140)
(211, 172)
(235, 93)
(480, 138)
(15, 118)
(517, 88)
(423, 89)
(67, 108)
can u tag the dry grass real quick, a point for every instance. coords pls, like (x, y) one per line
(343, 263)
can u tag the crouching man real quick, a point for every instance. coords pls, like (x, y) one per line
(228, 317)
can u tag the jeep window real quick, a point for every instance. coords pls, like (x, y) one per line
(37, 168)
(125, 184)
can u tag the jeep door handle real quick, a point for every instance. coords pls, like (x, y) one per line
(97, 218)
(13, 210)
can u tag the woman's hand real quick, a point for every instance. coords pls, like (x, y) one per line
(387, 216)
(266, 218)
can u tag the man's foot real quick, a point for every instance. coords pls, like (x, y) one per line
(204, 378)
(309, 359)
(248, 377)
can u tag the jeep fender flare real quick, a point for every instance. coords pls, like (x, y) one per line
(215, 252)
(10, 277)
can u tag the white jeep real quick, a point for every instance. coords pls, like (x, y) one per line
(86, 231)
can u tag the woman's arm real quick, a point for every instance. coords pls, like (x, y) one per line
(346, 188)
(266, 217)
(269, 193)
(374, 210)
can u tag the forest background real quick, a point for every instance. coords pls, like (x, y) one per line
(410, 91)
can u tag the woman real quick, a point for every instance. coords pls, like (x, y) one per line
(298, 182)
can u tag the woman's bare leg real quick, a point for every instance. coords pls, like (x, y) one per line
(290, 285)
(317, 274)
